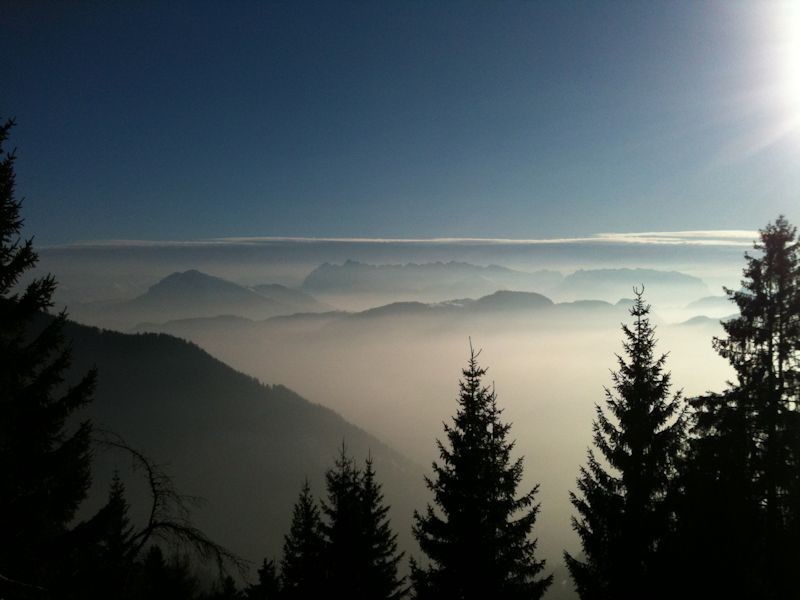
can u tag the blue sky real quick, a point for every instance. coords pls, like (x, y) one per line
(401, 119)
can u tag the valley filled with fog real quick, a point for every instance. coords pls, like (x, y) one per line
(382, 342)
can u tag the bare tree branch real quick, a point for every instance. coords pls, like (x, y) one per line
(169, 518)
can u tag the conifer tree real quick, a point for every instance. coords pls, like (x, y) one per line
(44, 464)
(625, 515)
(107, 546)
(268, 586)
(100, 561)
(743, 491)
(344, 551)
(302, 566)
(116, 541)
(478, 541)
(381, 580)
(718, 514)
(360, 548)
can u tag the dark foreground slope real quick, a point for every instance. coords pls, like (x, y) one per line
(243, 446)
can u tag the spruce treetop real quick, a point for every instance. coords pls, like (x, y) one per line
(624, 516)
(477, 536)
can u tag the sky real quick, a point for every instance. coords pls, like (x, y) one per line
(196, 120)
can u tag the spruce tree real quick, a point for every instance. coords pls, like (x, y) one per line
(100, 561)
(625, 515)
(380, 572)
(360, 548)
(116, 540)
(478, 542)
(344, 550)
(743, 493)
(302, 565)
(44, 464)
(107, 542)
(718, 514)
(268, 586)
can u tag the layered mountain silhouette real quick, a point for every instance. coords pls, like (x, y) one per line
(502, 310)
(661, 287)
(435, 282)
(712, 306)
(192, 294)
(244, 446)
(427, 282)
(501, 302)
(512, 301)
(421, 289)
(296, 301)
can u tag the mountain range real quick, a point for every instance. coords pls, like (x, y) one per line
(717, 306)
(192, 294)
(428, 282)
(360, 286)
(667, 288)
(500, 309)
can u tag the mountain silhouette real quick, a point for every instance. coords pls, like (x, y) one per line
(712, 306)
(193, 294)
(504, 300)
(297, 301)
(427, 282)
(661, 287)
(497, 306)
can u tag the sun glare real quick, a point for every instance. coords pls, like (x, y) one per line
(769, 96)
(786, 67)
(790, 54)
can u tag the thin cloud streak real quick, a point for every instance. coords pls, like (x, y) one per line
(699, 237)
(731, 237)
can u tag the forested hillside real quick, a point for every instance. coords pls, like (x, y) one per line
(244, 446)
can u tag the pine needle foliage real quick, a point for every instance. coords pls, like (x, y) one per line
(302, 569)
(743, 480)
(360, 546)
(477, 537)
(623, 502)
(44, 463)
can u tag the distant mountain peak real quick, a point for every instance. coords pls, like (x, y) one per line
(511, 300)
(194, 281)
(435, 281)
(193, 294)
(661, 287)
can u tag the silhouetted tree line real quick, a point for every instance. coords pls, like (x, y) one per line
(701, 499)
(696, 498)
(343, 546)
